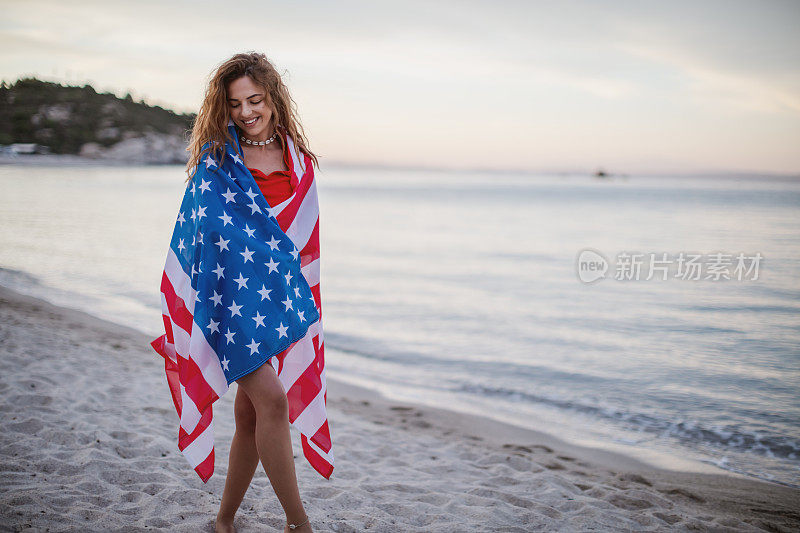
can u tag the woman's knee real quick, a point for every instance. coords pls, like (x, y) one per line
(244, 412)
(265, 394)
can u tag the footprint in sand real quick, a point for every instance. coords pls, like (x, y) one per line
(683, 493)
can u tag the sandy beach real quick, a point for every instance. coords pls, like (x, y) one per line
(88, 443)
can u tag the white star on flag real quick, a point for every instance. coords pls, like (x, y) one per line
(253, 346)
(204, 186)
(273, 243)
(226, 219)
(288, 303)
(229, 196)
(247, 254)
(259, 319)
(213, 326)
(242, 281)
(217, 299)
(264, 292)
(222, 243)
(219, 272)
(229, 336)
(234, 309)
(282, 330)
(272, 266)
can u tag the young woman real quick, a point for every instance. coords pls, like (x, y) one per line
(247, 90)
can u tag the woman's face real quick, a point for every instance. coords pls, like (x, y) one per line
(250, 108)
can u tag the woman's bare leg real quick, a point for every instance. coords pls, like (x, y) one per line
(273, 440)
(242, 462)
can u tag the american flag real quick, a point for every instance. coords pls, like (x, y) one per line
(241, 284)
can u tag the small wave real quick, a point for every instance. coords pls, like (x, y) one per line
(724, 437)
(788, 309)
(725, 464)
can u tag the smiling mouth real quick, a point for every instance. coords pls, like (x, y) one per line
(250, 122)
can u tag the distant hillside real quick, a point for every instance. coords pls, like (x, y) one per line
(78, 120)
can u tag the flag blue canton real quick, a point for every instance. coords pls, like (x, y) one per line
(252, 300)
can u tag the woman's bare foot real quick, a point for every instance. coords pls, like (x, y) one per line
(224, 525)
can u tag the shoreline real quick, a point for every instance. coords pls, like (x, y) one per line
(620, 458)
(475, 471)
(68, 160)
(610, 453)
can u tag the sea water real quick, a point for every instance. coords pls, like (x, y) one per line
(465, 289)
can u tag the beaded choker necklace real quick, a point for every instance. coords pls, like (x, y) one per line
(259, 143)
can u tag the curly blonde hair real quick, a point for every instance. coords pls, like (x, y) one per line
(210, 128)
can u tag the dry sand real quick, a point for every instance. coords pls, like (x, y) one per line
(88, 443)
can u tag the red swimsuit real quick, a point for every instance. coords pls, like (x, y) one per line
(277, 186)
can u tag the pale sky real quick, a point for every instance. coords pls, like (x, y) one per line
(630, 86)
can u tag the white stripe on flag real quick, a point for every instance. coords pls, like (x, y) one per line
(304, 221)
(181, 337)
(190, 416)
(194, 345)
(278, 208)
(198, 450)
(207, 361)
(169, 348)
(297, 361)
(311, 272)
(181, 282)
(295, 159)
(313, 416)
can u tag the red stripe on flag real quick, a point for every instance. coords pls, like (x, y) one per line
(185, 439)
(315, 291)
(286, 217)
(178, 311)
(170, 337)
(322, 437)
(319, 463)
(191, 376)
(303, 391)
(311, 250)
(173, 381)
(197, 388)
(319, 355)
(206, 468)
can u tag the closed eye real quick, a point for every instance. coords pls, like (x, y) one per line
(251, 103)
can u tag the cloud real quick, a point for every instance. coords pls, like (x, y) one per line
(748, 92)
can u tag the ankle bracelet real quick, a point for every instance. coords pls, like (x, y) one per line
(295, 526)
